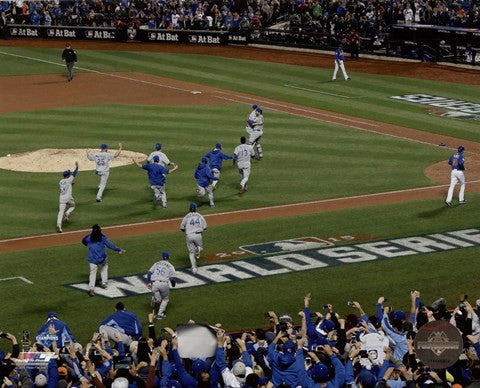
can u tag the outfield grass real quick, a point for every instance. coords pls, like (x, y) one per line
(371, 92)
(237, 304)
(315, 161)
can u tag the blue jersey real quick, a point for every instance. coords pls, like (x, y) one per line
(203, 175)
(156, 174)
(96, 249)
(339, 54)
(125, 322)
(456, 161)
(216, 158)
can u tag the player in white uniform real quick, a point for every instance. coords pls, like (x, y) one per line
(158, 278)
(102, 166)
(250, 119)
(66, 202)
(242, 158)
(256, 133)
(163, 159)
(193, 225)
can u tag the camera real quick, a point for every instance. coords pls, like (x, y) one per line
(350, 303)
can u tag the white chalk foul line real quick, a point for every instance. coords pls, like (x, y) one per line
(17, 277)
(207, 216)
(320, 91)
(337, 123)
(259, 99)
(106, 74)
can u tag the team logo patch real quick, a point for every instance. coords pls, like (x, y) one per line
(285, 262)
(444, 106)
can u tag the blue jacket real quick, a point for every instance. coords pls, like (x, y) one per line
(337, 382)
(456, 161)
(216, 158)
(63, 333)
(339, 55)
(204, 175)
(96, 249)
(156, 173)
(125, 322)
(280, 374)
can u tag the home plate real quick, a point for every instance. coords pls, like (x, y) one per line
(196, 92)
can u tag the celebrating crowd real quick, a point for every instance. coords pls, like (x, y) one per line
(330, 16)
(313, 349)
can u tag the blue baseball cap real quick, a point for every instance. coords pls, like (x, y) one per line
(67, 173)
(198, 366)
(52, 314)
(254, 106)
(165, 255)
(461, 149)
(400, 315)
(204, 160)
(289, 347)
(193, 206)
(327, 325)
(320, 371)
(218, 145)
(259, 110)
(158, 146)
(367, 379)
(103, 146)
(156, 159)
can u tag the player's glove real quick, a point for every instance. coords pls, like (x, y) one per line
(250, 123)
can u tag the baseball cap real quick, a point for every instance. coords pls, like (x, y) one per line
(239, 369)
(156, 159)
(259, 110)
(327, 325)
(40, 380)
(67, 173)
(51, 314)
(165, 255)
(120, 382)
(367, 379)
(218, 145)
(103, 146)
(198, 366)
(62, 371)
(289, 347)
(204, 160)
(461, 148)
(193, 206)
(158, 146)
(254, 106)
(320, 371)
(400, 315)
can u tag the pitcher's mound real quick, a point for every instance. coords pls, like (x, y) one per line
(58, 160)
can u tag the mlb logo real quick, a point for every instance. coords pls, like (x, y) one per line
(13, 31)
(89, 34)
(50, 32)
(282, 246)
(192, 38)
(152, 36)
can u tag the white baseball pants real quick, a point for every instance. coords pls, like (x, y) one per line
(159, 194)
(216, 174)
(201, 191)
(456, 176)
(339, 64)
(244, 175)
(65, 209)
(254, 140)
(161, 293)
(93, 274)
(110, 332)
(103, 183)
(194, 244)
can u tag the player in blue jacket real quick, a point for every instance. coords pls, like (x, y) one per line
(96, 243)
(457, 164)
(339, 64)
(124, 322)
(216, 158)
(203, 175)
(156, 178)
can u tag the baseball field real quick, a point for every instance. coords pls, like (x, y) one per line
(348, 201)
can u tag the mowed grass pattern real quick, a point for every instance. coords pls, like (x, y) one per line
(304, 160)
(269, 80)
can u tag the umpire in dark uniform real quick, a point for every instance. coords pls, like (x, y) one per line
(70, 57)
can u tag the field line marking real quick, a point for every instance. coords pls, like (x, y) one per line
(259, 99)
(319, 91)
(17, 277)
(103, 73)
(288, 205)
(340, 124)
